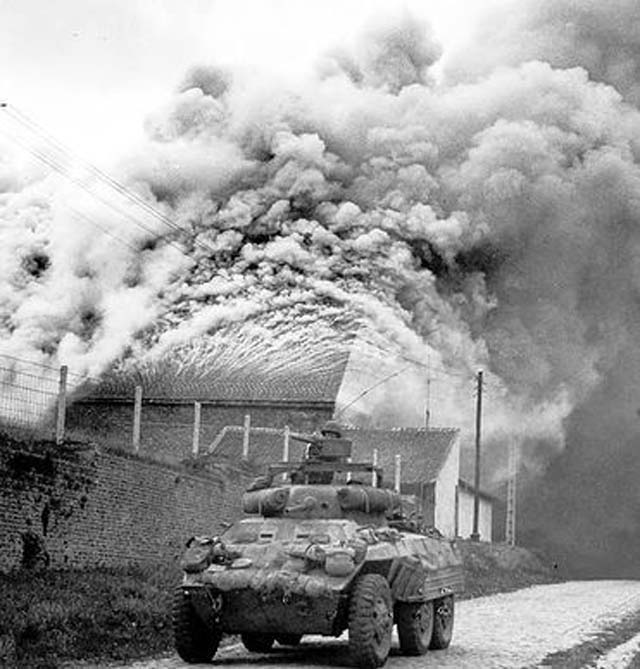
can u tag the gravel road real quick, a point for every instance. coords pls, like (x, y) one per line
(539, 626)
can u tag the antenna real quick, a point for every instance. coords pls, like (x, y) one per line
(510, 530)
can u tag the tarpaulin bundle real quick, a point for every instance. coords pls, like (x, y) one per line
(268, 502)
(367, 499)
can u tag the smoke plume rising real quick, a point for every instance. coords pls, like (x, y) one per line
(487, 218)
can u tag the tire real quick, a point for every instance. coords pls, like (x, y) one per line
(258, 643)
(370, 621)
(442, 623)
(415, 626)
(289, 639)
(193, 641)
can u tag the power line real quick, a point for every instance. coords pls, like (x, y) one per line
(419, 363)
(37, 129)
(55, 156)
(51, 368)
(80, 215)
(366, 391)
(58, 167)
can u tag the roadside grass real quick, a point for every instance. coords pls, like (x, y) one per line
(58, 616)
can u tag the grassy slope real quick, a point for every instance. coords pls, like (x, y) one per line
(115, 613)
(125, 613)
(491, 568)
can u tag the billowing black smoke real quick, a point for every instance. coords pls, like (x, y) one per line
(486, 218)
(582, 504)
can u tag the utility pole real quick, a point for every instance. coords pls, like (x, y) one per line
(510, 529)
(427, 413)
(475, 535)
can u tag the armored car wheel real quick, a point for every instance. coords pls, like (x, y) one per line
(415, 626)
(289, 639)
(370, 621)
(442, 623)
(258, 643)
(193, 641)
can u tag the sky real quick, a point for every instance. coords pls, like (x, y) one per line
(89, 71)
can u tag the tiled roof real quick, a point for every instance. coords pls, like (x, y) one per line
(423, 452)
(246, 362)
(264, 449)
(299, 382)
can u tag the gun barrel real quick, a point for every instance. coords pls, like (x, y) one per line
(307, 438)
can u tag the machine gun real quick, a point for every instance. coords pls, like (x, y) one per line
(326, 455)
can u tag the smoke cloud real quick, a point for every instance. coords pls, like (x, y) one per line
(488, 219)
(602, 38)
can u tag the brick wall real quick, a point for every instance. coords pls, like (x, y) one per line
(167, 428)
(104, 507)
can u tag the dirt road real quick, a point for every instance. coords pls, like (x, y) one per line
(577, 624)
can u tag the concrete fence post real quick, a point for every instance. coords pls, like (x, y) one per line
(137, 418)
(197, 409)
(62, 404)
(285, 445)
(374, 473)
(285, 448)
(245, 437)
(398, 465)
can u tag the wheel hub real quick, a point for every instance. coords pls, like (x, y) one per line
(382, 621)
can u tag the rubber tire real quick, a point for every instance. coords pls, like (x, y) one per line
(258, 643)
(415, 626)
(442, 624)
(369, 635)
(289, 639)
(193, 641)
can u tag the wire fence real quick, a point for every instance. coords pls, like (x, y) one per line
(45, 402)
(58, 404)
(29, 395)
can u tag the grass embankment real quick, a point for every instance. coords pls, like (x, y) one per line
(57, 616)
(61, 615)
(492, 568)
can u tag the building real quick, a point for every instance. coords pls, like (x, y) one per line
(234, 396)
(429, 467)
(466, 495)
(275, 387)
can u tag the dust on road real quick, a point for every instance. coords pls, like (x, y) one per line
(511, 630)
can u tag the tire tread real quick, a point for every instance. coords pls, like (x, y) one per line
(192, 640)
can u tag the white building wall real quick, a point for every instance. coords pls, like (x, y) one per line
(465, 516)
(445, 492)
